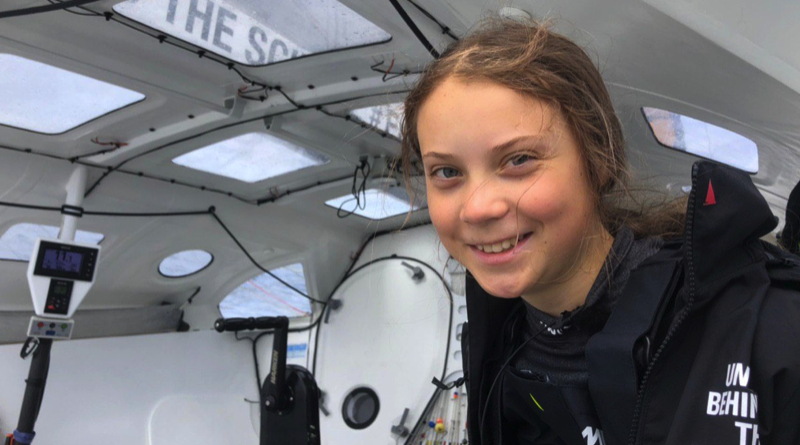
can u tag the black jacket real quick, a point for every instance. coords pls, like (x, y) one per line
(702, 347)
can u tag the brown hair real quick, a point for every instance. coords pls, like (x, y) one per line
(530, 59)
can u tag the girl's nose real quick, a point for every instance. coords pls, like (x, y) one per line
(486, 202)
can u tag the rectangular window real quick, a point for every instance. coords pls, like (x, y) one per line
(251, 157)
(257, 32)
(702, 139)
(264, 296)
(42, 98)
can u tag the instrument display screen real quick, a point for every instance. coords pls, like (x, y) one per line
(61, 260)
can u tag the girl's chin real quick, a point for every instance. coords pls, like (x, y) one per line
(499, 291)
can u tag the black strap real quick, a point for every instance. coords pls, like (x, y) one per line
(613, 373)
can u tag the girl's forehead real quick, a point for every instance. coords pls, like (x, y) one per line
(461, 108)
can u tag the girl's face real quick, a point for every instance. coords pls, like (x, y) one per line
(508, 195)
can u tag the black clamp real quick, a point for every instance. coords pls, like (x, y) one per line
(454, 384)
(69, 210)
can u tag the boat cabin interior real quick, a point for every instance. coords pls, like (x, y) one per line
(172, 166)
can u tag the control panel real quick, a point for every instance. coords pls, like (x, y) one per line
(49, 328)
(60, 275)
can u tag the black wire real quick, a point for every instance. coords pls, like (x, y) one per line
(508, 360)
(386, 72)
(260, 267)
(291, 101)
(247, 93)
(89, 13)
(95, 213)
(383, 133)
(445, 29)
(358, 190)
(421, 37)
(276, 196)
(45, 8)
(255, 359)
(89, 155)
(153, 214)
(30, 206)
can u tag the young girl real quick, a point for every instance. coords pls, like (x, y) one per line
(590, 324)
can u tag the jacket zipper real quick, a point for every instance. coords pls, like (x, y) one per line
(642, 392)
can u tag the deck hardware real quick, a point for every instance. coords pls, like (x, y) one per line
(418, 274)
(400, 429)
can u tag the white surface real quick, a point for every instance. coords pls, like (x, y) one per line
(389, 335)
(116, 390)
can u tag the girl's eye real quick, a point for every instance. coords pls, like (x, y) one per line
(520, 159)
(445, 172)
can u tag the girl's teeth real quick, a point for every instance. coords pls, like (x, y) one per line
(498, 247)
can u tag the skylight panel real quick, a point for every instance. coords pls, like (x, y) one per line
(264, 296)
(702, 139)
(383, 117)
(251, 157)
(375, 203)
(17, 243)
(184, 263)
(257, 32)
(39, 97)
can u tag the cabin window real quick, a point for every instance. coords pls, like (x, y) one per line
(702, 139)
(251, 157)
(264, 296)
(375, 203)
(185, 263)
(17, 243)
(42, 98)
(383, 117)
(360, 408)
(257, 32)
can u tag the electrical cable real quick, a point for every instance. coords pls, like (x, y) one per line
(349, 118)
(414, 29)
(386, 72)
(97, 213)
(445, 29)
(358, 190)
(513, 354)
(44, 8)
(260, 267)
(88, 12)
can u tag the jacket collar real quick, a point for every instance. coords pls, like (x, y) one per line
(726, 215)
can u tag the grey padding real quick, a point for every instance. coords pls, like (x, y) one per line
(99, 322)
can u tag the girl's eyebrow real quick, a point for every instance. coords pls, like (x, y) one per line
(437, 155)
(531, 139)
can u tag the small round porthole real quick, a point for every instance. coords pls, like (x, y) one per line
(360, 408)
(184, 263)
